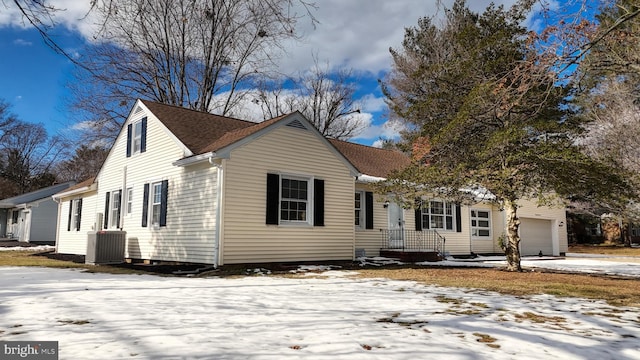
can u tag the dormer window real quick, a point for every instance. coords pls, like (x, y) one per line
(137, 137)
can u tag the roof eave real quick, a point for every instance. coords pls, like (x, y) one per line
(191, 160)
(77, 191)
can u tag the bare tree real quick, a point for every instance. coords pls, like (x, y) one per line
(27, 155)
(203, 55)
(84, 164)
(7, 120)
(327, 99)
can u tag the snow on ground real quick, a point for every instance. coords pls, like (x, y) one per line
(104, 316)
(28, 248)
(577, 263)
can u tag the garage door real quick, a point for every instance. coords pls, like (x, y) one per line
(535, 236)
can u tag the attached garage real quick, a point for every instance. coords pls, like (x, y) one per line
(536, 235)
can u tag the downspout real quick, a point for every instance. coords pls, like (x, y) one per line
(216, 238)
(122, 200)
(59, 202)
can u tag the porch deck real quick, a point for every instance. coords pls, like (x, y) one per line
(412, 245)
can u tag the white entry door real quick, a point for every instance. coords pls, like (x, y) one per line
(395, 216)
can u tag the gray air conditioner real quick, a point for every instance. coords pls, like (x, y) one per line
(105, 247)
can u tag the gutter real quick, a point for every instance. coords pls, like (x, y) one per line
(195, 159)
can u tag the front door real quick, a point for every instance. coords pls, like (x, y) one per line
(395, 217)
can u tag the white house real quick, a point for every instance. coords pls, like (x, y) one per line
(31, 217)
(188, 186)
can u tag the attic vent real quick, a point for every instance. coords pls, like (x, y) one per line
(138, 110)
(297, 124)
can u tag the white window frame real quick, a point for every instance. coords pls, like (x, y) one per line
(74, 215)
(475, 218)
(359, 211)
(155, 205)
(308, 202)
(448, 211)
(114, 207)
(136, 137)
(129, 201)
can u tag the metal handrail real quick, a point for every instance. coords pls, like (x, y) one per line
(413, 240)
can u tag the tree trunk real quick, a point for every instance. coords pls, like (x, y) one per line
(512, 248)
(626, 234)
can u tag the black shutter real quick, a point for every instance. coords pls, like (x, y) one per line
(143, 137)
(458, 219)
(418, 215)
(129, 140)
(368, 210)
(318, 202)
(79, 210)
(70, 215)
(106, 211)
(273, 197)
(119, 207)
(145, 205)
(163, 201)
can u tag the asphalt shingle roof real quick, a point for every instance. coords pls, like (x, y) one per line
(203, 132)
(372, 161)
(195, 129)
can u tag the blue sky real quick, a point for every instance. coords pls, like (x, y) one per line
(33, 77)
(352, 34)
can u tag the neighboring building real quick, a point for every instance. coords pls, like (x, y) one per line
(188, 186)
(31, 217)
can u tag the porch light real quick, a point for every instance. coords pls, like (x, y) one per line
(386, 204)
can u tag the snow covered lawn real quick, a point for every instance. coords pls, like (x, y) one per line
(333, 316)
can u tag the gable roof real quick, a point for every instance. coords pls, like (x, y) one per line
(239, 134)
(79, 188)
(372, 161)
(34, 195)
(195, 129)
(205, 133)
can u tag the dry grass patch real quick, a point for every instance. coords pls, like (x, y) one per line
(605, 250)
(619, 292)
(35, 258)
(29, 258)
(486, 339)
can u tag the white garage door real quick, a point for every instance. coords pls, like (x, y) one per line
(535, 236)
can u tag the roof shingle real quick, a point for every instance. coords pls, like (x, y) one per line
(372, 161)
(203, 132)
(195, 129)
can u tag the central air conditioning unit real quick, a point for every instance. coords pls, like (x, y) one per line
(105, 247)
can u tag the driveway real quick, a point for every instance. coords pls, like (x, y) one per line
(573, 262)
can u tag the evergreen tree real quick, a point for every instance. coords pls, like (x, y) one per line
(485, 115)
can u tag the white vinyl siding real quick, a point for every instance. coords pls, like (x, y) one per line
(191, 211)
(285, 150)
(75, 242)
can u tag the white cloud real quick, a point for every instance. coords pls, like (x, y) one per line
(388, 130)
(372, 103)
(358, 33)
(22, 42)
